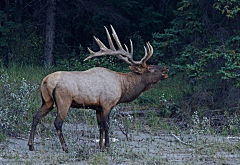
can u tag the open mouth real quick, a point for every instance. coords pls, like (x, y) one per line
(165, 75)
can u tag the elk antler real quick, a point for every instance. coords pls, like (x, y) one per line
(122, 54)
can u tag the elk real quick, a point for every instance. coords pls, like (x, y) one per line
(98, 88)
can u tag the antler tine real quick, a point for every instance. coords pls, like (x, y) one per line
(126, 48)
(131, 47)
(148, 53)
(128, 57)
(91, 52)
(114, 34)
(99, 53)
(145, 56)
(109, 39)
(100, 44)
(151, 50)
(113, 48)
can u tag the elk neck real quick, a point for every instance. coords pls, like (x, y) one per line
(134, 84)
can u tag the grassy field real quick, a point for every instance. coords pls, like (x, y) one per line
(167, 132)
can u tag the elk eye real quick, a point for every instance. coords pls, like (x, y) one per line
(150, 68)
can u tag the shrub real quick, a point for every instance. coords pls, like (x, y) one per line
(15, 104)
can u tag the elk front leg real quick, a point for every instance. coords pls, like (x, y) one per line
(41, 113)
(103, 124)
(106, 125)
(100, 126)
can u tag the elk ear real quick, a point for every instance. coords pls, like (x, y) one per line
(137, 69)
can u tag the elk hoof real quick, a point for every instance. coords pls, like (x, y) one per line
(108, 149)
(65, 149)
(103, 149)
(31, 148)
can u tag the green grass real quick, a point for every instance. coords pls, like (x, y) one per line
(3, 136)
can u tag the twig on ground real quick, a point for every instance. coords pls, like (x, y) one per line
(232, 138)
(178, 139)
(140, 112)
(124, 131)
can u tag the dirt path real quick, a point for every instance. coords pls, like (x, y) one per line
(142, 148)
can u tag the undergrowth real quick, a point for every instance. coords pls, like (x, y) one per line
(20, 99)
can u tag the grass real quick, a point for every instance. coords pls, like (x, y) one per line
(142, 139)
(165, 93)
(3, 136)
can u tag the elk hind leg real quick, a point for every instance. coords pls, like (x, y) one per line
(58, 125)
(41, 113)
(63, 104)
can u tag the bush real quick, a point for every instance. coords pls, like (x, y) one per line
(15, 104)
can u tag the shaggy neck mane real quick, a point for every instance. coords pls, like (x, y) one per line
(134, 84)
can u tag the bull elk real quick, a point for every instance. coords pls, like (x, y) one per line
(98, 88)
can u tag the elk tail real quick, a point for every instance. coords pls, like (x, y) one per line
(47, 97)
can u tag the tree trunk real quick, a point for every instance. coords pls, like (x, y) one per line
(5, 48)
(50, 34)
(20, 12)
(40, 15)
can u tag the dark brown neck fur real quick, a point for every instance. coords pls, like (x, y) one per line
(134, 84)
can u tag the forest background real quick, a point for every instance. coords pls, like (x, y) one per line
(198, 39)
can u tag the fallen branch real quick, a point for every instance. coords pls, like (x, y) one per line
(232, 138)
(178, 139)
(124, 130)
(140, 112)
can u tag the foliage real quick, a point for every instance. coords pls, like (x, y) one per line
(211, 61)
(24, 46)
(76, 22)
(228, 7)
(199, 126)
(209, 55)
(15, 104)
(27, 47)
